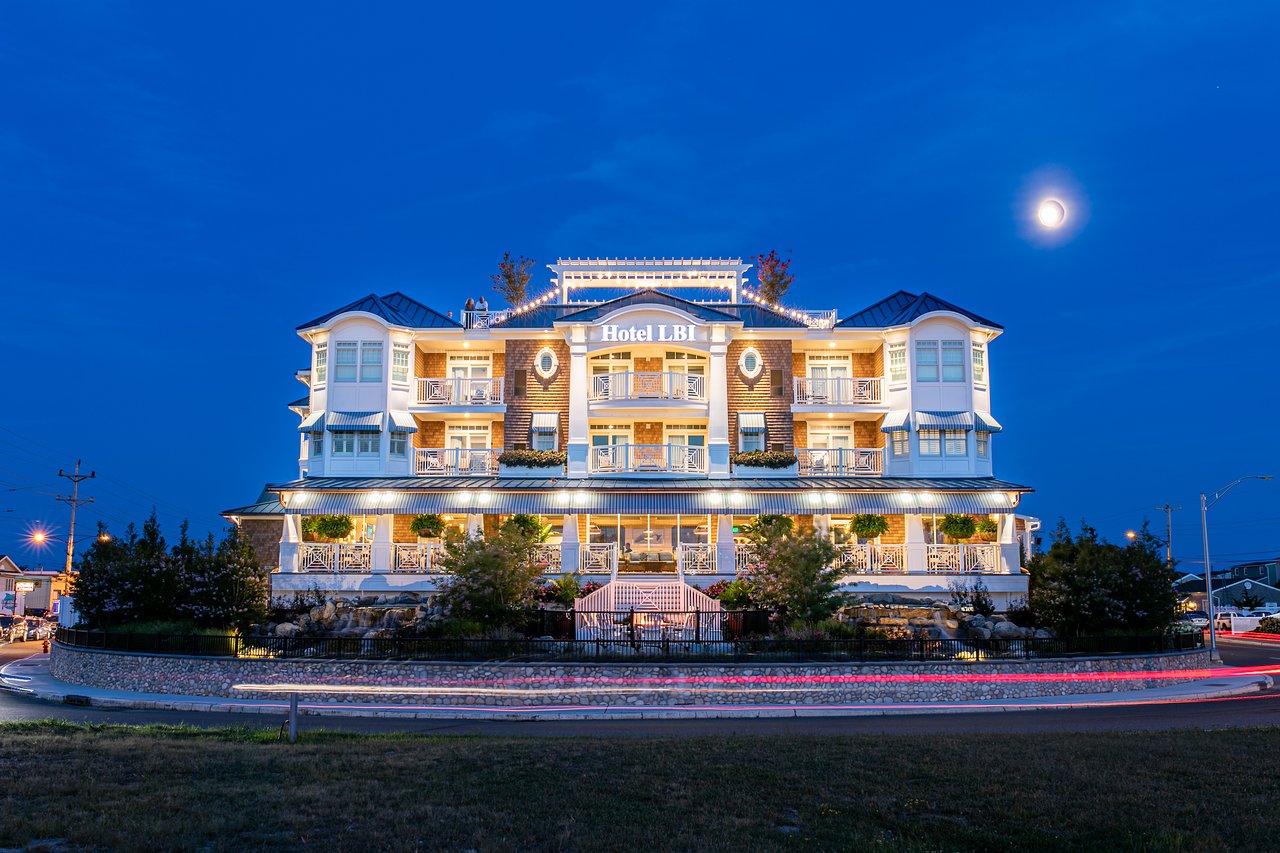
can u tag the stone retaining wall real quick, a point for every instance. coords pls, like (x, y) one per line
(559, 684)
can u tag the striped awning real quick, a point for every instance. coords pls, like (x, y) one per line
(895, 421)
(710, 502)
(402, 422)
(313, 422)
(545, 422)
(354, 422)
(986, 423)
(751, 422)
(944, 420)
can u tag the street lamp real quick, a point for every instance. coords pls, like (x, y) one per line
(1207, 501)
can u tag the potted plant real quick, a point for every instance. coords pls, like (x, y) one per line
(957, 526)
(531, 463)
(765, 463)
(868, 526)
(429, 526)
(327, 528)
(987, 529)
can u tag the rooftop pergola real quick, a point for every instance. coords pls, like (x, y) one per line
(588, 280)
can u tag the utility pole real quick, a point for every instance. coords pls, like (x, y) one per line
(75, 500)
(1168, 539)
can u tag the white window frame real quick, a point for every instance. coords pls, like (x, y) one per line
(398, 444)
(401, 361)
(952, 361)
(611, 430)
(955, 443)
(684, 429)
(928, 358)
(982, 444)
(342, 445)
(368, 445)
(341, 367)
(368, 363)
(545, 441)
(316, 450)
(899, 369)
(978, 353)
(742, 363)
(930, 441)
(541, 355)
(900, 443)
(468, 430)
(320, 366)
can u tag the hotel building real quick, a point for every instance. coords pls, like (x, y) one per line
(651, 377)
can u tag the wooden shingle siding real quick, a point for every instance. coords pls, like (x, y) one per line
(540, 395)
(756, 395)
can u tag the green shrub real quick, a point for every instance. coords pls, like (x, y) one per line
(868, 526)
(987, 529)
(732, 595)
(765, 459)
(427, 526)
(957, 526)
(1269, 625)
(330, 528)
(534, 458)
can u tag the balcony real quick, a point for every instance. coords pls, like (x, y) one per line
(962, 559)
(426, 558)
(840, 462)
(455, 462)
(460, 392)
(598, 558)
(614, 387)
(647, 459)
(484, 319)
(335, 557)
(838, 391)
(872, 559)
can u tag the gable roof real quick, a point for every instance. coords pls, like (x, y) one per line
(649, 296)
(396, 308)
(903, 307)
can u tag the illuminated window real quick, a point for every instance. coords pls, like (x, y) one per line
(897, 362)
(400, 363)
(980, 364)
(321, 370)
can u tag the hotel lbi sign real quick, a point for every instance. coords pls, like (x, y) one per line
(654, 332)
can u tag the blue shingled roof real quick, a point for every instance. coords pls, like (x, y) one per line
(903, 307)
(396, 308)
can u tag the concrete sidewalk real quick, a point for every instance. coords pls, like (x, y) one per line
(30, 676)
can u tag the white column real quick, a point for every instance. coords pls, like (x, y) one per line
(1008, 539)
(916, 560)
(718, 410)
(290, 540)
(380, 550)
(569, 547)
(579, 378)
(475, 525)
(726, 550)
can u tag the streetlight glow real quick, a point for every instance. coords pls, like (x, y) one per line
(1130, 534)
(38, 537)
(1051, 213)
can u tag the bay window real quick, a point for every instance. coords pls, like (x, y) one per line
(321, 370)
(926, 361)
(400, 363)
(370, 362)
(930, 442)
(897, 362)
(398, 444)
(980, 364)
(953, 361)
(368, 444)
(344, 444)
(345, 359)
(955, 443)
(983, 442)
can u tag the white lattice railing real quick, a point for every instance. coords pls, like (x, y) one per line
(840, 462)
(697, 559)
(455, 462)
(547, 558)
(743, 555)
(426, 558)
(648, 458)
(870, 559)
(837, 391)
(648, 386)
(819, 319)
(484, 319)
(335, 557)
(961, 559)
(452, 391)
(600, 558)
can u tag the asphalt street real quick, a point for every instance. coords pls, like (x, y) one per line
(1257, 709)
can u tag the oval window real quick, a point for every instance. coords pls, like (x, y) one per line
(545, 363)
(750, 362)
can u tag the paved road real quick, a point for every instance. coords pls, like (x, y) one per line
(1258, 709)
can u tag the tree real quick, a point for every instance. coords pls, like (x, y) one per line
(512, 279)
(772, 273)
(1249, 600)
(493, 579)
(792, 574)
(1084, 584)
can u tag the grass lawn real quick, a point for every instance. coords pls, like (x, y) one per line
(160, 788)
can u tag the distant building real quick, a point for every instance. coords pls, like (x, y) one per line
(1267, 571)
(27, 590)
(684, 406)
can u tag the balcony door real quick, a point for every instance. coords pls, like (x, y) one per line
(825, 446)
(605, 385)
(825, 373)
(609, 448)
(467, 376)
(462, 442)
(690, 371)
(686, 446)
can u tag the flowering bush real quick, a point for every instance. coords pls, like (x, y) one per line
(588, 588)
(765, 459)
(732, 595)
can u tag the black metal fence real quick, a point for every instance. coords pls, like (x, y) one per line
(656, 649)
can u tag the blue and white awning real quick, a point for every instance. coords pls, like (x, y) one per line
(403, 422)
(313, 422)
(354, 422)
(944, 420)
(986, 423)
(751, 422)
(895, 421)
(545, 422)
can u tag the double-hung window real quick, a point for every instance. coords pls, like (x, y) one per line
(370, 362)
(953, 361)
(400, 363)
(368, 444)
(750, 441)
(982, 440)
(930, 442)
(398, 444)
(344, 444)
(900, 445)
(345, 361)
(321, 371)
(980, 364)
(544, 441)
(897, 362)
(317, 445)
(955, 443)
(926, 361)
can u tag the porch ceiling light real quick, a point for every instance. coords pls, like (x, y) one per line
(581, 498)
(464, 498)
(483, 498)
(713, 498)
(926, 498)
(737, 498)
(815, 499)
(830, 498)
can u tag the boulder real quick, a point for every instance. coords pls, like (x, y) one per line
(979, 633)
(1005, 631)
(951, 624)
(315, 614)
(287, 629)
(1043, 634)
(328, 613)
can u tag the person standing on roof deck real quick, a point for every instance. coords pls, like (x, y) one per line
(482, 305)
(467, 310)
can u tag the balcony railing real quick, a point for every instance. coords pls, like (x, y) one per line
(648, 459)
(425, 558)
(453, 391)
(335, 557)
(649, 386)
(820, 319)
(483, 319)
(840, 462)
(953, 559)
(871, 559)
(455, 462)
(547, 558)
(838, 391)
(598, 558)
(697, 558)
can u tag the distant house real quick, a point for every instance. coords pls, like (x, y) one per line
(1267, 571)
(1227, 594)
(27, 590)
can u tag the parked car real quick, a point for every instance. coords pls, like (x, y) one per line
(1222, 619)
(1195, 618)
(38, 628)
(16, 629)
(1261, 612)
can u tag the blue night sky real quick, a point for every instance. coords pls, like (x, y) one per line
(183, 187)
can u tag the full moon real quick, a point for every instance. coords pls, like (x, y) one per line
(1051, 213)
